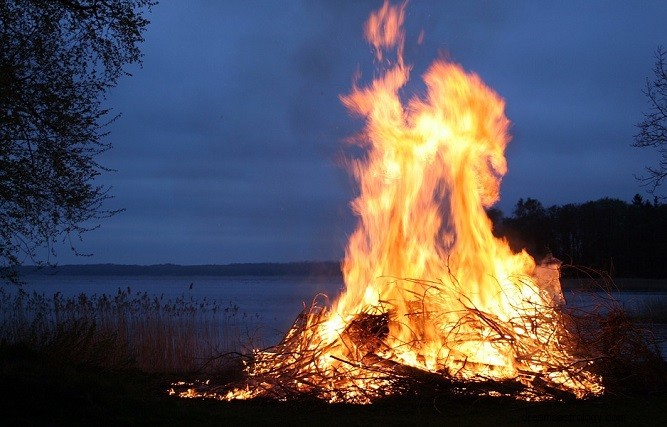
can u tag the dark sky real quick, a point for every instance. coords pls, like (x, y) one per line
(229, 144)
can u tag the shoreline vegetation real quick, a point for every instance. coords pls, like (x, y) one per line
(150, 333)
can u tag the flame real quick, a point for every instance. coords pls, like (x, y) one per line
(429, 289)
(431, 168)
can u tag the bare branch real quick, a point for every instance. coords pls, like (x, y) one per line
(653, 129)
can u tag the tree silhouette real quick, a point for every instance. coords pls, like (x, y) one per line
(653, 129)
(58, 58)
(620, 238)
(528, 228)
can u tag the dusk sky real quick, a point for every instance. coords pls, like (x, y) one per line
(229, 144)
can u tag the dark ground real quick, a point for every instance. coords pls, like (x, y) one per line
(39, 390)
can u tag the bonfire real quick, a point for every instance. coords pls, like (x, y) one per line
(432, 298)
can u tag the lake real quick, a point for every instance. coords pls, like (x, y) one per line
(275, 301)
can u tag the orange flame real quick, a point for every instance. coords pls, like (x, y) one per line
(440, 293)
(431, 168)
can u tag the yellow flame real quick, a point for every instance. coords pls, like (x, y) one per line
(440, 293)
(431, 168)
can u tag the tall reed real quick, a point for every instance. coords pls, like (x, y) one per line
(151, 333)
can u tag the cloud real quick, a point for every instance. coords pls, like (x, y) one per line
(228, 146)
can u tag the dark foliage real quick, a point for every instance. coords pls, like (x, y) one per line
(653, 129)
(623, 239)
(58, 59)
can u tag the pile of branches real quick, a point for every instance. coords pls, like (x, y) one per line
(602, 343)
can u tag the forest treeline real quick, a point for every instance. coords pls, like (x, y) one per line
(620, 238)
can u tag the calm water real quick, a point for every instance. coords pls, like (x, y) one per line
(277, 300)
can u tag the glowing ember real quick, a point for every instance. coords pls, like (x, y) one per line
(431, 295)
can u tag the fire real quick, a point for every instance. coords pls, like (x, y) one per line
(430, 292)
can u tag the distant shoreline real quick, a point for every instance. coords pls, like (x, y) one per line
(307, 268)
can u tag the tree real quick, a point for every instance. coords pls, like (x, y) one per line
(58, 59)
(653, 129)
(528, 228)
(529, 209)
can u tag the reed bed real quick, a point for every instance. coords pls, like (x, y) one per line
(136, 330)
